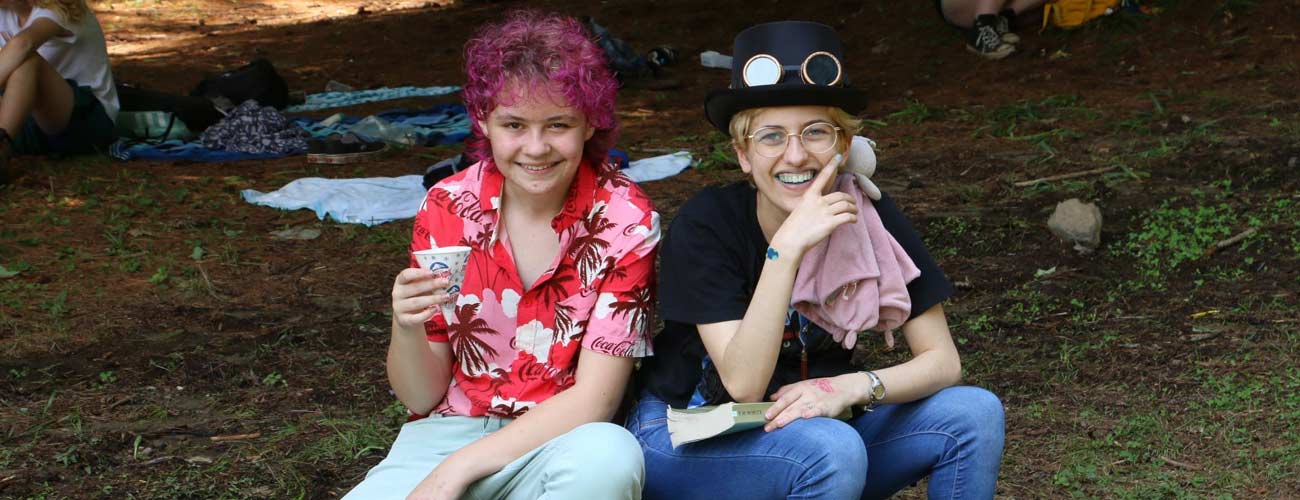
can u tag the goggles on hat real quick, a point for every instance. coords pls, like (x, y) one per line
(819, 68)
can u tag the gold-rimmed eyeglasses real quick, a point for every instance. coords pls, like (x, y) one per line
(817, 138)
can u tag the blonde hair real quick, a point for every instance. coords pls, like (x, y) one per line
(69, 10)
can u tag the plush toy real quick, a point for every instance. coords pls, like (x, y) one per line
(862, 164)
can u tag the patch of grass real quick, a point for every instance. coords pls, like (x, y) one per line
(129, 265)
(57, 306)
(942, 235)
(1007, 120)
(395, 239)
(721, 156)
(1038, 122)
(1028, 304)
(273, 379)
(915, 112)
(160, 276)
(348, 440)
(1180, 231)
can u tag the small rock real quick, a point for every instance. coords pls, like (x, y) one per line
(296, 233)
(1077, 222)
(1291, 163)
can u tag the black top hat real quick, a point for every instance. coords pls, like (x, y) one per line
(811, 72)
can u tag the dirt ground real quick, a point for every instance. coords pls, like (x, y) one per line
(156, 341)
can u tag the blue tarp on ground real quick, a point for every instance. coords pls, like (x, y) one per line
(441, 124)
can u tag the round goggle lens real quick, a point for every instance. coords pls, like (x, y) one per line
(821, 68)
(761, 70)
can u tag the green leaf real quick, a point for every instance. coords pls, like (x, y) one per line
(5, 273)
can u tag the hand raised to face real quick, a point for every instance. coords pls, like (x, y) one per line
(818, 213)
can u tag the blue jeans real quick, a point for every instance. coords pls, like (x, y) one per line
(954, 436)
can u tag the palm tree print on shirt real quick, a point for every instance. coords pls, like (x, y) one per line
(587, 250)
(611, 178)
(471, 351)
(635, 306)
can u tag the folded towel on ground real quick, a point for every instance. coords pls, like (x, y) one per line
(368, 201)
(658, 167)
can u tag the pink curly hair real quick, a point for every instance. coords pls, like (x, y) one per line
(532, 49)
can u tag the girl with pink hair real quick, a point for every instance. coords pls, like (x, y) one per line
(512, 375)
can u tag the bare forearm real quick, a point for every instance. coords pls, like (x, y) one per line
(11, 56)
(917, 378)
(751, 354)
(418, 377)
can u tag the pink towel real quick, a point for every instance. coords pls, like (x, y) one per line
(856, 279)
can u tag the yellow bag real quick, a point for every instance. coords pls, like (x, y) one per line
(1070, 14)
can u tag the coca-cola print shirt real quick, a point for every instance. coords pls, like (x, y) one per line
(512, 348)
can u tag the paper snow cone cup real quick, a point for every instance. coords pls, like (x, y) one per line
(446, 262)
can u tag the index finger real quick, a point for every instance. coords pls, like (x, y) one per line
(413, 274)
(824, 177)
(779, 405)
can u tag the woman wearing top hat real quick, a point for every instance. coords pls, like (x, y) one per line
(766, 285)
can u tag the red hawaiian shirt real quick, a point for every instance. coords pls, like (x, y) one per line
(511, 348)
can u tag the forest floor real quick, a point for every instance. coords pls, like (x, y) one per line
(157, 341)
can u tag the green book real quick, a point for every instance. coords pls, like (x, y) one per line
(697, 424)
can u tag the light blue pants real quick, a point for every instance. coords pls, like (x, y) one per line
(597, 460)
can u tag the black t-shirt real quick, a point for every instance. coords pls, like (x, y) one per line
(710, 263)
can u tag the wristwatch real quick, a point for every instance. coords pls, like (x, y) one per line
(876, 392)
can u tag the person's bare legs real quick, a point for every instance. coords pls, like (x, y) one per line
(35, 89)
(1020, 6)
(962, 13)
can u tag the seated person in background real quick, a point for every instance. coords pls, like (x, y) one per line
(520, 381)
(56, 89)
(987, 25)
(740, 324)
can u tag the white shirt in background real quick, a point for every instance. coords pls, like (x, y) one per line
(81, 56)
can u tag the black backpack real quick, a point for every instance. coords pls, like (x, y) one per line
(197, 112)
(258, 81)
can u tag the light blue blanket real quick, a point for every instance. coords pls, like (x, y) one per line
(327, 100)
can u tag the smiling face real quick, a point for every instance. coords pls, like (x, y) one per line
(781, 181)
(537, 143)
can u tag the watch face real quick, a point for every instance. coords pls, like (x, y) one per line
(877, 387)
